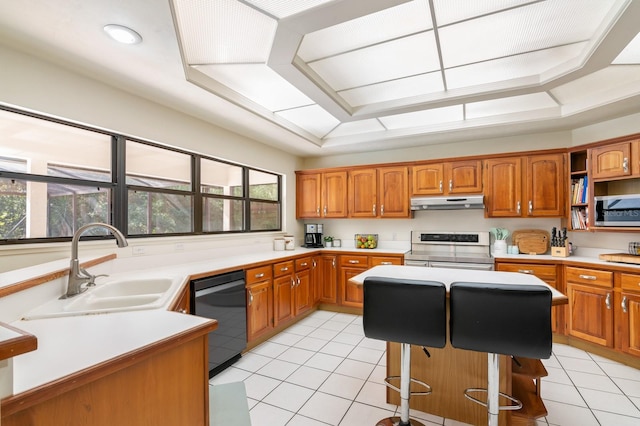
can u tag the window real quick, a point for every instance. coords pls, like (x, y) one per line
(56, 177)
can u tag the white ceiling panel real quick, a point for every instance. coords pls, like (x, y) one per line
(450, 11)
(223, 31)
(596, 85)
(512, 67)
(536, 26)
(393, 90)
(312, 118)
(396, 59)
(630, 54)
(509, 105)
(284, 8)
(423, 118)
(407, 18)
(259, 83)
(356, 127)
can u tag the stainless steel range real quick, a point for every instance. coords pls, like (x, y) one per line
(457, 250)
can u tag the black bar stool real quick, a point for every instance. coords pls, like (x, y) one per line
(498, 319)
(408, 312)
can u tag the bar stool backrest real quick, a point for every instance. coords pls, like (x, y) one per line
(506, 319)
(405, 311)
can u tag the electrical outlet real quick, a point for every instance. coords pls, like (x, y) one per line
(137, 251)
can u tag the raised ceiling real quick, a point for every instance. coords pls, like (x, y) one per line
(318, 77)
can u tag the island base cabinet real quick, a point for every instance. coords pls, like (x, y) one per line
(169, 388)
(630, 323)
(591, 315)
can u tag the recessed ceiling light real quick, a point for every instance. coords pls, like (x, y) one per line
(122, 34)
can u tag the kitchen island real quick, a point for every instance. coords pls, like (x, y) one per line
(450, 371)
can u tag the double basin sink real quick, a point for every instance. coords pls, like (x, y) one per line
(124, 294)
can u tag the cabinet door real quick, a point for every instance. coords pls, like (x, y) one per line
(334, 194)
(463, 177)
(590, 313)
(259, 309)
(545, 185)
(503, 187)
(363, 189)
(328, 283)
(316, 278)
(302, 292)
(630, 323)
(308, 195)
(610, 161)
(393, 192)
(283, 299)
(427, 179)
(351, 295)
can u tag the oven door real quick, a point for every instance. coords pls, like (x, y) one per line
(463, 265)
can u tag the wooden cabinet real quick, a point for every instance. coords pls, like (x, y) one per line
(628, 318)
(283, 289)
(316, 278)
(379, 192)
(590, 293)
(321, 195)
(183, 302)
(302, 291)
(531, 186)
(611, 161)
(385, 260)
(327, 285)
(547, 273)
(259, 301)
(351, 295)
(457, 177)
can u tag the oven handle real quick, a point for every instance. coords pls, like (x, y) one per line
(416, 262)
(452, 265)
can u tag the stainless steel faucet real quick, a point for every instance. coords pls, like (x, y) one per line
(77, 275)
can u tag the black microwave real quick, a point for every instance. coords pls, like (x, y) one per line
(618, 210)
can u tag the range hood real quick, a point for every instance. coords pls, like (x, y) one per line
(459, 202)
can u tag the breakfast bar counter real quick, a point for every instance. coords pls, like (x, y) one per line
(450, 371)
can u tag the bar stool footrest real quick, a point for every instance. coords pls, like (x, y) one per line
(387, 382)
(516, 406)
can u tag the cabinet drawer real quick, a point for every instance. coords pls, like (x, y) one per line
(283, 268)
(349, 260)
(303, 263)
(385, 260)
(256, 275)
(630, 282)
(589, 276)
(544, 272)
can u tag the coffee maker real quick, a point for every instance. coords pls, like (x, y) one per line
(313, 235)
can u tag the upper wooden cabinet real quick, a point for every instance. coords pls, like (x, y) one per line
(321, 195)
(530, 186)
(611, 161)
(379, 192)
(458, 177)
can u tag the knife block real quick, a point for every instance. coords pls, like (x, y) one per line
(560, 251)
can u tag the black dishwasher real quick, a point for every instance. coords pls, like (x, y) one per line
(222, 297)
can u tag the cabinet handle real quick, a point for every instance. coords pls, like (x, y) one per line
(353, 261)
(518, 209)
(525, 271)
(313, 263)
(440, 186)
(587, 277)
(530, 206)
(450, 185)
(297, 279)
(373, 210)
(260, 275)
(250, 297)
(318, 211)
(325, 211)
(624, 304)
(625, 164)
(293, 282)
(386, 263)
(333, 262)
(304, 264)
(184, 311)
(283, 269)
(607, 301)
(382, 210)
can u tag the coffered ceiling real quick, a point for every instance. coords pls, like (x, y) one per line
(318, 77)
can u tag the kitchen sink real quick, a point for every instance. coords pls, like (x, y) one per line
(125, 294)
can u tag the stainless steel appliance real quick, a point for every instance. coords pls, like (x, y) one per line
(313, 235)
(457, 250)
(618, 210)
(223, 298)
(459, 202)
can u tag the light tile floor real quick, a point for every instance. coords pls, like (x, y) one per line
(324, 371)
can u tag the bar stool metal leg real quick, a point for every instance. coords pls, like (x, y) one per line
(493, 389)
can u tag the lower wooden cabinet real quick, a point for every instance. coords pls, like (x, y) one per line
(590, 293)
(352, 295)
(302, 292)
(283, 289)
(259, 301)
(327, 284)
(628, 318)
